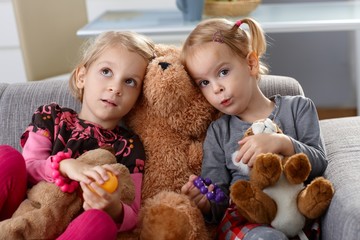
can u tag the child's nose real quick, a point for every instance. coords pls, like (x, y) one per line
(115, 90)
(218, 88)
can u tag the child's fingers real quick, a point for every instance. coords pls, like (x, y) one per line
(84, 187)
(240, 153)
(192, 178)
(202, 201)
(83, 178)
(252, 161)
(238, 157)
(111, 168)
(97, 174)
(102, 173)
(187, 188)
(86, 206)
(92, 191)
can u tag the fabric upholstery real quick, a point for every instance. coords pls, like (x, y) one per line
(20, 100)
(272, 84)
(2, 88)
(342, 139)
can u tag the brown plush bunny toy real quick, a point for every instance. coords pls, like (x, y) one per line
(276, 194)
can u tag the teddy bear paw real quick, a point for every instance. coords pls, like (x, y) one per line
(267, 170)
(169, 215)
(314, 200)
(297, 168)
(252, 203)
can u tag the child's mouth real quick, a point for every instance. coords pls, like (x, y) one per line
(109, 102)
(225, 102)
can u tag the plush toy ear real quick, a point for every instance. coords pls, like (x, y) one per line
(258, 127)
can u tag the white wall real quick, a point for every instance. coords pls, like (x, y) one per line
(11, 64)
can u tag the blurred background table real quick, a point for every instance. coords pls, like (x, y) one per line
(168, 26)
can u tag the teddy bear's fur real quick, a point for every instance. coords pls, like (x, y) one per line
(276, 194)
(47, 211)
(171, 118)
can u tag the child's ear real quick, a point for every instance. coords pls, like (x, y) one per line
(253, 62)
(80, 77)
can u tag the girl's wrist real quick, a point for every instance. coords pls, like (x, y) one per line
(65, 184)
(63, 166)
(286, 146)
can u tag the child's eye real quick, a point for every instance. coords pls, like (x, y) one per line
(203, 83)
(131, 82)
(223, 72)
(106, 72)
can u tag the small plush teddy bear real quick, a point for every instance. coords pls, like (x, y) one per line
(47, 211)
(276, 194)
(171, 118)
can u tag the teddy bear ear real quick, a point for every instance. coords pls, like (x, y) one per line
(162, 50)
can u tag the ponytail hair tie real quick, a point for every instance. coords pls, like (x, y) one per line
(218, 37)
(238, 23)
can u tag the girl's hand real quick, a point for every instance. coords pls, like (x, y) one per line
(196, 196)
(98, 198)
(252, 146)
(83, 172)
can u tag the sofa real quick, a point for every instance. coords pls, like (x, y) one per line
(18, 101)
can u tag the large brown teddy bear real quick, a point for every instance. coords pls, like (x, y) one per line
(276, 194)
(171, 118)
(47, 211)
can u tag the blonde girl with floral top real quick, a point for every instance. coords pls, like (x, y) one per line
(107, 81)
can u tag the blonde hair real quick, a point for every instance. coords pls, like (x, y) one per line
(94, 47)
(241, 42)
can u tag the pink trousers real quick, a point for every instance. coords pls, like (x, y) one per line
(12, 181)
(91, 224)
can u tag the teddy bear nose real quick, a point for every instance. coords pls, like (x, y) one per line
(164, 65)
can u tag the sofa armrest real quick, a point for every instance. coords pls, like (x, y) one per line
(342, 142)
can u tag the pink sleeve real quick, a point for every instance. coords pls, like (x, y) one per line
(36, 152)
(131, 211)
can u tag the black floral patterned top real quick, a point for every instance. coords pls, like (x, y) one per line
(67, 132)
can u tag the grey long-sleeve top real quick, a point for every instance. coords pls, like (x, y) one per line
(297, 118)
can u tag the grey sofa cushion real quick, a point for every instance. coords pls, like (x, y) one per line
(3, 86)
(19, 101)
(342, 141)
(272, 84)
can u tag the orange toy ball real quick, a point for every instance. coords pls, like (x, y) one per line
(110, 185)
